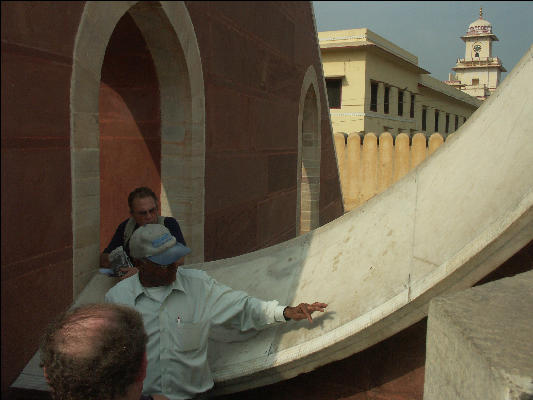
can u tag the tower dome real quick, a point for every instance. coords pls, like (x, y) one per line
(480, 26)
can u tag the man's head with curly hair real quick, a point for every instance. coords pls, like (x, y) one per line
(95, 351)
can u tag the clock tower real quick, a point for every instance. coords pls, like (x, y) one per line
(479, 73)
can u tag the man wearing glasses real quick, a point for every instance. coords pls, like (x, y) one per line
(181, 306)
(143, 210)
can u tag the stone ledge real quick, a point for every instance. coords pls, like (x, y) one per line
(479, 342)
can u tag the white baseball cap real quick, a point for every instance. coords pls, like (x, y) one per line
(156, 243)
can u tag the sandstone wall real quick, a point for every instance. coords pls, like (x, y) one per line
(368, 165)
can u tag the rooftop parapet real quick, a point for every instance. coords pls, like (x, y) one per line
(362, 37)
(435, 84)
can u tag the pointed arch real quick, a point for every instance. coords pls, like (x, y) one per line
(169, 34)
(309, 153)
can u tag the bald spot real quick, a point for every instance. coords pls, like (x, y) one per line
(81, 333)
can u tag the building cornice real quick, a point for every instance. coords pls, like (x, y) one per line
(326, 48)
(480, 36)
(474, 67)
(362, 37)
(447, 90)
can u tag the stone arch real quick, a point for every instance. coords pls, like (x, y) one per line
(171, 39)
(309, 153)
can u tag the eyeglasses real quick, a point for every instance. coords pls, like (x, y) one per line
(146, 212)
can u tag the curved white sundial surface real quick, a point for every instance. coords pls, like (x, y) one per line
(444, 226)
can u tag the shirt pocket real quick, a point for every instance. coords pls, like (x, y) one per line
(190, 335)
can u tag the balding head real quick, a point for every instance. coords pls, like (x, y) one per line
(94, 352)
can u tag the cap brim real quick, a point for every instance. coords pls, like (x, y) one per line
(171, 255)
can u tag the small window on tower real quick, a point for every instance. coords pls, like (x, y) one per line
(475, 81)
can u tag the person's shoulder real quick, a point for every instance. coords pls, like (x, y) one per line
(170, 221)
(193, 274)
(125, 290)
(122, 225)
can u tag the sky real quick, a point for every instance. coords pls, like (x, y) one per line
(432, 30)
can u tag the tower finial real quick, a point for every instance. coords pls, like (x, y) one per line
(480, 12)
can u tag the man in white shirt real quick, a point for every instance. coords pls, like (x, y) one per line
(179, 307)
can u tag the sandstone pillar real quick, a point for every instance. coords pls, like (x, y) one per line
(352, 171)
(401, 156)
(393, 100)
(435, 141)
(418, 149)
(369, 167)
(406, 103)
(386, 159)
(340, 150)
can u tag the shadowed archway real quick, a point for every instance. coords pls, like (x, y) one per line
(130, 124)
(170, 40)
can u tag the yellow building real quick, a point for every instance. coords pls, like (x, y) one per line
(376, 86)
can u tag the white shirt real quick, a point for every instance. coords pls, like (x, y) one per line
(177, 319)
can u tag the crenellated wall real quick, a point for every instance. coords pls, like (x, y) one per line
(368, 165)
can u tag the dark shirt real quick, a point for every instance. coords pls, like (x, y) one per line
(147, 397)
(118, 238)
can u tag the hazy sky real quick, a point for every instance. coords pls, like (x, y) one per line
(431, 30)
